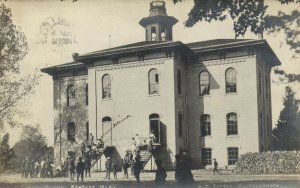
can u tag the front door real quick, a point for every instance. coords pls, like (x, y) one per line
(155, 127)
(107, 131)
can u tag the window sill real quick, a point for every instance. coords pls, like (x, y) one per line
(153, 95)
(107, 99)
(228, 94)
(232, 136)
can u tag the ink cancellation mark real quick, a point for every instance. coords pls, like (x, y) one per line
(56, 31)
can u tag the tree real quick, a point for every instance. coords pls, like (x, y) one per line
(32, 145)
(14, 88)
(6, 153)
(286, 134)
(245, 14)
(251, 14)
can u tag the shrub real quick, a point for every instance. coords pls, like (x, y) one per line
(277, 162)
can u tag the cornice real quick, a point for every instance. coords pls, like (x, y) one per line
(221, 61)
(72, 78)
(128, 65)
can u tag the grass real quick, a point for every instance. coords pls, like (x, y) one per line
(203, 178)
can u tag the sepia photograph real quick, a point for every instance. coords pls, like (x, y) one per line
(149, 93)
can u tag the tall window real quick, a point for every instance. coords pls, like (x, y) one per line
(106, 87)
(233, 155)
(71, 95)
(179, 80)
(204, 83)
(154, 122)
(71, 131)
(153, 81)
(87, 130)
(87, 94)
(206, 156)
(180, 124)
(106, 126)
(153, 33)
(230, 77)
(205, 125)
(232, 128)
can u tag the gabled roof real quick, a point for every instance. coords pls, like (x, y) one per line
(215, 42)
(65, 66)
(134, 47)
(196, 47)
(220, 44)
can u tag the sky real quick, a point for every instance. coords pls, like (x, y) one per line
(90, 24)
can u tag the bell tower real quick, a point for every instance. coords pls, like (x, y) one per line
(158, 25)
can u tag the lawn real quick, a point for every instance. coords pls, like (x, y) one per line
(203, 178)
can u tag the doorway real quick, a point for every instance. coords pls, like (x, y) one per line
(154, 127)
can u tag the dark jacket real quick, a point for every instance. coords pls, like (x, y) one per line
(80, 167)
(137, 167)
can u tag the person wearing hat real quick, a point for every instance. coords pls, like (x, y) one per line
(80, 169)
(126, 164)
(71, 167)
(137, 168)
(216, 167)
(114, 168)
(108, 166)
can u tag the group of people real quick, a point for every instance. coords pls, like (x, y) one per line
(138, 144)
(136, 168)
(92, 148)
(70, 167)
(35, 168)
(111, 166)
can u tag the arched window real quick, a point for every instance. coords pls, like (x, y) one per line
(230, 77)
(71, 131)
(153, 116)
(106, 126)
(232, 128)
(71, 95)
(153, 33)
(153, 81)
(179, 80)
(87, 94)
(154, 123)
(205, 125)
(204, 83)
(106, 87)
